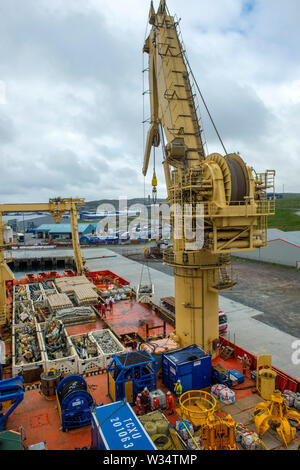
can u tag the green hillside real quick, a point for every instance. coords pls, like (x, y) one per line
(286, 217)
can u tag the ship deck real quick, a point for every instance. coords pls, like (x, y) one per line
(39, 417)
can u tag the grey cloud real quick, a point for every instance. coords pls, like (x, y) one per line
(237, 111)
(7, 132)
(72, 124)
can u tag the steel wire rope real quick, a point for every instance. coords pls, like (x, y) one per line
(204, 102)
(114, 412)
(149, 276)
(143, 100)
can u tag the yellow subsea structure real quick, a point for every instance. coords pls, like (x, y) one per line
(277, 412)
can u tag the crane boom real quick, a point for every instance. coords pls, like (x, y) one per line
(226, 196)
(171, 97)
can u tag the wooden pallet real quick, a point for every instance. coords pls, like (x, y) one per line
(227, 353)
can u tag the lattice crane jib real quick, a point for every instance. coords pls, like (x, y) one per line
(227, 200)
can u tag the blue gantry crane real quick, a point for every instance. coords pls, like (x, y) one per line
(11, 395)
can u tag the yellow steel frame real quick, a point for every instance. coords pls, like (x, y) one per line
(276, 411)
(197, 406)
(56, 207)
(233, 221)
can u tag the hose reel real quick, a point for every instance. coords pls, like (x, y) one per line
(74, 402)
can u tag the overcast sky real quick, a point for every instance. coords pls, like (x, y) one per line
(71, 82)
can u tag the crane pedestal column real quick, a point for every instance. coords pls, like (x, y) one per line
(196, 299)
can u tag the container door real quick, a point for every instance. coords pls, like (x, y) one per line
(197, 374)
(165, 371)
(202, 373)
(172, 379)
(169, 373)
(187, 382)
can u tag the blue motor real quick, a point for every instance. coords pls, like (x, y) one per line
(74, 402)
(11, 391)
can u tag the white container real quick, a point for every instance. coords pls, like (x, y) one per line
(18, 369)
(90, 364)
(161, 398)
(8, 235)
(65, 365)
(118, 348)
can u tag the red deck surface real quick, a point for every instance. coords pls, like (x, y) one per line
(126, 316)
(40, 418)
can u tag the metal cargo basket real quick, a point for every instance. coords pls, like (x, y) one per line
(108, 344)
(88, 364)
(66, 364)
(30, 371)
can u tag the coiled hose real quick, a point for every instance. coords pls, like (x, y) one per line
(72, 386)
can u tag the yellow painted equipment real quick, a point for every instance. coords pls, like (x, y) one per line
(218, 434)
(221, 192)
(265, 376)
(277, 412)
(56, 207)
(197, 406)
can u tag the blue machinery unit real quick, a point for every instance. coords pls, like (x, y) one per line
(227, 377)
(129, 373)
(116, 427)
(74, 402)
(190, 365)
(11, 394)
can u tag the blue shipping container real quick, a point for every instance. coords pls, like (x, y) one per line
(191, 365)
(116, 427)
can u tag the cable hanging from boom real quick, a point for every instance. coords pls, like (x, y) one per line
(154, 180)
(144, 70)
(205, 105)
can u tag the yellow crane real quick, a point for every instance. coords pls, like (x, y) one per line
(56, 207)
(220, 192)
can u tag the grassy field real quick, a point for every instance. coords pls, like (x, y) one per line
(285, 218)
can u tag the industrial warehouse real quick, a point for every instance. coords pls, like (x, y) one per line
(117, 341)
(283, 248)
